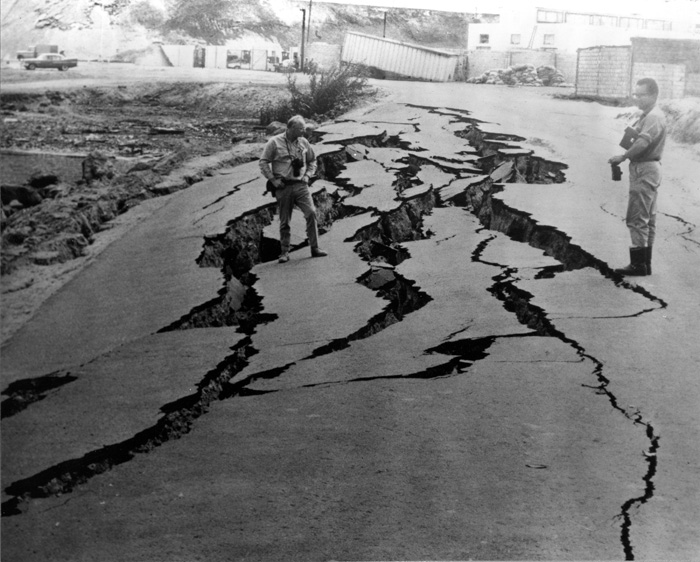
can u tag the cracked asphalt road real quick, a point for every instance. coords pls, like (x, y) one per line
(462, 378)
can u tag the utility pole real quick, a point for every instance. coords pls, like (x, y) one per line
(303, 32)
(309, 33)
(384, 32)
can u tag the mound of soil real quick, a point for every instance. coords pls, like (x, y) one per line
(149, 119)
(134, 142)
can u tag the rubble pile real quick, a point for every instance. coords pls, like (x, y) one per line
(49, 221)
(524, 74)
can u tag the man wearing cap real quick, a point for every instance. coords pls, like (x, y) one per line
(644, 154)
(288, 161)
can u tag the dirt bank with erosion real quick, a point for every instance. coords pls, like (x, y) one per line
(78, 152)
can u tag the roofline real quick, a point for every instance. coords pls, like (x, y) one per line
(420, 47)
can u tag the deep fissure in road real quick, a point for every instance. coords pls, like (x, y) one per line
(244, 244)
(177, 420)
(23, 393)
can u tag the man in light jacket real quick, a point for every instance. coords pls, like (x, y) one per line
(288, 162)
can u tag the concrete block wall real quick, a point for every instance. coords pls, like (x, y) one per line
(669, 77)
(692, 84)
(667, 51)
(604, 72)
(566, 64)
(483, 61)
(535, 58)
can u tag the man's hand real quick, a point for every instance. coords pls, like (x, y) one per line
(617, 159)
(276, 182)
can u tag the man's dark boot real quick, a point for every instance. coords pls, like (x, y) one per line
(638, 263)
(648, 259)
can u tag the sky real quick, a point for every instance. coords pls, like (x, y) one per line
(649, 8)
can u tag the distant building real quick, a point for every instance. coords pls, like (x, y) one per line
(567, 31)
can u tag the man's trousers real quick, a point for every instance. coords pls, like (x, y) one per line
(291, 195)
(645, 178)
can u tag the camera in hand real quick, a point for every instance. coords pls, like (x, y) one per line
(297, 165)
(616, 172)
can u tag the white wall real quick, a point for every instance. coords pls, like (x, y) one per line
(568, 37)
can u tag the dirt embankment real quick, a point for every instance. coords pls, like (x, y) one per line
(111, 148)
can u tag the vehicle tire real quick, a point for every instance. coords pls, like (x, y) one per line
(62, 68)
(31, 66)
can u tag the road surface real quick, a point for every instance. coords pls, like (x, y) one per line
(462, 378)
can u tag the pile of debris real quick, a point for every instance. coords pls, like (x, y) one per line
(47, 220)
(523, 74)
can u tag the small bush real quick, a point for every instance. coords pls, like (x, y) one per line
(329, 94)
(683, 119)
(147, 15)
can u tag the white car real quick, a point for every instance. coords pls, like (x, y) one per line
(49, 60)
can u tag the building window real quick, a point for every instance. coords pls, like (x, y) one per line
(547, 16)
(578, 19)
(515, 39)
(603, 20)
(655, 24)
(484, 38)
(549, 38)
(631, 23)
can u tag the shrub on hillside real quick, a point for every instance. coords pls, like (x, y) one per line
(683, 119)
(146, 14)
(328, 94)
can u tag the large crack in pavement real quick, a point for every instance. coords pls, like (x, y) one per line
(177, 420)
(690, 228)
(519, 301)
(243, 245)
(22, 393)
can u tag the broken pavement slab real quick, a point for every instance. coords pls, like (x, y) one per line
(127, 388)
(439, 466)
(315, 300)
(142, 283)
(585, 293)
(460, 307)
(529, 402)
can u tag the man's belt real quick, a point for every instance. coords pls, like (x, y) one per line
(641, 161)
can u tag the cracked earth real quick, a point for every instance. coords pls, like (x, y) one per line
(463, 377)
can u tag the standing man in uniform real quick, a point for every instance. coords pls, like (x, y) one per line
(649, 134)
(288, 161)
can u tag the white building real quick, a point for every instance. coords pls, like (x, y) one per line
(566, 30)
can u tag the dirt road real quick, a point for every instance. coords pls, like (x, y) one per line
(462, 378)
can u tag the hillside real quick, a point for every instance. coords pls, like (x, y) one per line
(92, 30)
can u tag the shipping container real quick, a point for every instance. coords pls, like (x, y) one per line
(404, 59)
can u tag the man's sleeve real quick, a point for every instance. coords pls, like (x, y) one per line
(652, 128)
(266, 159)
(311, 164)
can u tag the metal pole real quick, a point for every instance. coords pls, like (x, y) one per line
(303, 32)
(309, 33)
(384, 32)
(102, 19)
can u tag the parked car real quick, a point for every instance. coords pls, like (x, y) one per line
(50, 60)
